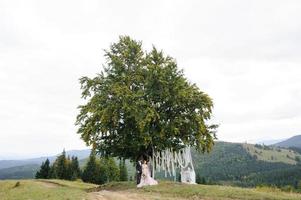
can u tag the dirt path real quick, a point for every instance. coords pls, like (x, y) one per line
(111, 195)
(125, 195)
(48, 184)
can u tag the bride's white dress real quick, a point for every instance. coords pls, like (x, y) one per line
(146, 179)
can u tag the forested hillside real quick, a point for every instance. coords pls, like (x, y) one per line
(19, 172)
(232, 163)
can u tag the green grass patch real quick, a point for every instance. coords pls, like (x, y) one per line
(43, 189)
(272, 154)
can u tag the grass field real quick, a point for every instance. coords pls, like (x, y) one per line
(273, 154)
(66, 190)
(170, 190)
(41, 189)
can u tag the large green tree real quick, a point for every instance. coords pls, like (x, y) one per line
(140, 102)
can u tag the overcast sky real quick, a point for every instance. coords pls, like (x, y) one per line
(245, 54)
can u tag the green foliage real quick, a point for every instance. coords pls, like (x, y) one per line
(91, 171)
(62, 168)
(123, 170)
(103, 174)
(44, 172)
(200, 180)
(74, 168)
(109, 171)
(113, 170)
(231, 163)
(285, 176)
(100, 171)
(142, 101)
(52, 172)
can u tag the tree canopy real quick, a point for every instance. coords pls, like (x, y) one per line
(141, 101)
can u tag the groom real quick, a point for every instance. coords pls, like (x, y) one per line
(139, 170)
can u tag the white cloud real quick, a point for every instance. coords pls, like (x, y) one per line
(246, 55)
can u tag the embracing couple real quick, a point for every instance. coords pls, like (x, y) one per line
(143, 174)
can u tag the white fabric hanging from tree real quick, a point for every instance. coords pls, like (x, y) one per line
(168, 160)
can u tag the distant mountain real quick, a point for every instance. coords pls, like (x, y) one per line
(294, 141)
(19, 172)
(81, 154)
(26, 169)
(269, 142)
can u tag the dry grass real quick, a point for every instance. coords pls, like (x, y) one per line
(76, 190)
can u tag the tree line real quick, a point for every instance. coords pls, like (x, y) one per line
(63, 167)
(97, 170)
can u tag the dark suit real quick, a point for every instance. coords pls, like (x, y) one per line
(138, 171)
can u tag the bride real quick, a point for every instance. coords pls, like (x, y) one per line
(146, 179)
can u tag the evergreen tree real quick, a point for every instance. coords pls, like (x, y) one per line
(69, 171)
(123, 170)
(52, 172)
(91, 171)
(38, 174)
(44, 171)
(61, 166)
(75, 170)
